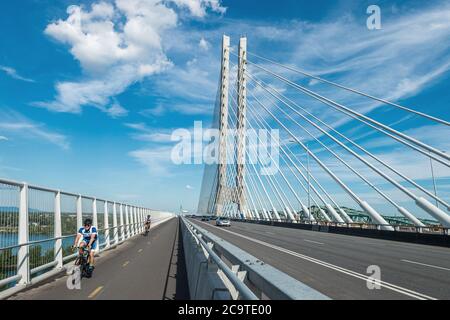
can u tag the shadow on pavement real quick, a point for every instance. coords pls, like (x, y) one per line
(177, 282)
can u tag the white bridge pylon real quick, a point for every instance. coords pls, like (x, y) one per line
(296, 193)
(236, 193)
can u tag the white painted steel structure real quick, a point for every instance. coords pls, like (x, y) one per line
(246, 191)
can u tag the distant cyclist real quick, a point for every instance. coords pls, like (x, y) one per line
(88, 236)
(147, 224)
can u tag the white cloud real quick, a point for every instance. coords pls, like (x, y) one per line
(198, 7)
(117, 111)
(181, 108)
(189, 187)
(157, 111)
(150, 134)
(157, 154)
(14, 74)
(392, 63)
(204, 45)
(193, 82)
(157, 160)
(194, 109)
(117, 45)
(16, 124)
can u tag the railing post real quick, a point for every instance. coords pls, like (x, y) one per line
(138, 220)
(122, 227)
(23, 258)
(130, 213)
(141, 219)
(58, 232)
(127, 221)
(79, 212)
(133, 218)
(115, 228)
(144, 216)
(106, 223)
(94, 213)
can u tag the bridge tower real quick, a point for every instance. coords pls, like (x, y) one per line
(222, 188)
(241, 128)
(234, 194)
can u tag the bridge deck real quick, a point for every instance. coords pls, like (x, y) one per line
(144, 268)
(317, 259)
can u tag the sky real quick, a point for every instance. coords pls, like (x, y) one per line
(91, 91)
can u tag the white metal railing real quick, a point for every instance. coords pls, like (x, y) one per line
(39, 224)
(245, 276)
(239, 285)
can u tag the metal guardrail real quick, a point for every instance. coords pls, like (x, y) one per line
(30, 212)
(243, 290)
(260, 280)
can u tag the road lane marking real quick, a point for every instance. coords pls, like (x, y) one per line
(426, 265)
(125, 264)
(95, 292)
(140, 250)
(354, 274)
(316, 242)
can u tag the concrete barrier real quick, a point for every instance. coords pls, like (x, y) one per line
(255, 279)
(440, 240)
(203, 277)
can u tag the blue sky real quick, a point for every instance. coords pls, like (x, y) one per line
(82, 111)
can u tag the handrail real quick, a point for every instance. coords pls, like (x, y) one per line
(46, 189)
(246, 293)
(265, 278)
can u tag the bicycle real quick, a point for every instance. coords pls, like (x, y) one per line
(83, 262)
(147, 229)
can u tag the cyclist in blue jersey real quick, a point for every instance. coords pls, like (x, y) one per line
(88, 236)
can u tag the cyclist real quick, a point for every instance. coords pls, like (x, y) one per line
(88, 236)
(148, 223)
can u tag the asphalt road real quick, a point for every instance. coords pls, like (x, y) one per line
(337, 265)
(144, 268)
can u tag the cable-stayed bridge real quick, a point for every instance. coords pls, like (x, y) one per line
(333, 193)
(322, 171)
